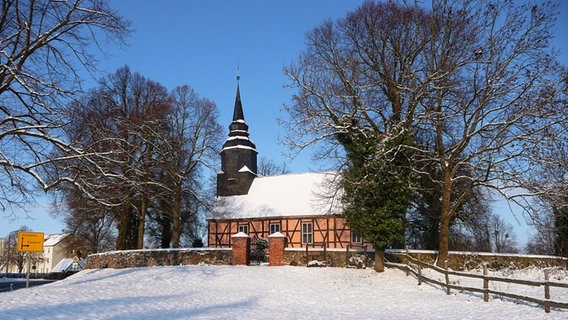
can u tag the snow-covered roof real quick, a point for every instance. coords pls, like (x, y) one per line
(66, 264)
(246, 169)
(53, 239)
(300, 194)
(239, 147)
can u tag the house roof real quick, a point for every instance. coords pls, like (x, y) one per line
(66, 264)
(53, 239)
(300, 194)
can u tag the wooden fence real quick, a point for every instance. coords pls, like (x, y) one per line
(415, 266)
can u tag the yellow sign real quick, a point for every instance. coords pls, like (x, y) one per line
(30, 241)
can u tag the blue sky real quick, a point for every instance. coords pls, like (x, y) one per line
(203, 43)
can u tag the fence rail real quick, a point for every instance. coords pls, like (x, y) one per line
(415, 266)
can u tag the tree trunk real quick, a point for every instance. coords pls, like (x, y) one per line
(445, 205)
(443, 241)
(127, 229)
(166, 231)
(176, 225)
(142, 222)
(379, 260)
(144, 201)
(122, 225)
(445, 221)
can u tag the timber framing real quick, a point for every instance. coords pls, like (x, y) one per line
(329, 229)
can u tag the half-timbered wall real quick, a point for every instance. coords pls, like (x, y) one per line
(325, 229)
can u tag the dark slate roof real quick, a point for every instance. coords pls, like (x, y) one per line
(238, 129)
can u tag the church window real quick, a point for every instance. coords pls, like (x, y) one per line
(307, 233)
(274, 227)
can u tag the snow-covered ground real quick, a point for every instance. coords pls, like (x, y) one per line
(559, 275)
(239, 292)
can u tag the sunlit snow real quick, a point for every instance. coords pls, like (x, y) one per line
(300, 194)
(240, 292)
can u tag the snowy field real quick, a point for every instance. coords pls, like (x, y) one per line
(238, 292)
(558, 275)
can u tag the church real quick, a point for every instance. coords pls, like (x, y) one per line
(302, 206)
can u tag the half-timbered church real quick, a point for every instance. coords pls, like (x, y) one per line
(302, 206)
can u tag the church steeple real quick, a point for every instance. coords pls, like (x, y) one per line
(238, 112)
(239, 155)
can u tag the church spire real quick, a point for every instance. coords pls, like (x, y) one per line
(238, 112)
(238, 129)
(239, 155)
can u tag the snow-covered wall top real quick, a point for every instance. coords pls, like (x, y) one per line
(299, 194)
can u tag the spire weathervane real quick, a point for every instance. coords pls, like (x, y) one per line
(238, 71)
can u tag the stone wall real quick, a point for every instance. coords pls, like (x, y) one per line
(472, 260)
(297, 256)
(159, 257)
(334, 257)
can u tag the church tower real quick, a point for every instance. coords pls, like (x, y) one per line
(238, 157)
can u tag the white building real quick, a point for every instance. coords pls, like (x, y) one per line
(56, 247)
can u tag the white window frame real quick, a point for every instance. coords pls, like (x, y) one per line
(244, 228)
(356, 238)
(274, 227)
(307, 232)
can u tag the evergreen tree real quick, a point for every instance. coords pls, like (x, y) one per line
(377, 189)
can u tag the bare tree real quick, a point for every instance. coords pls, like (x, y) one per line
(548, 179)
(123, 119)
(88, 223)
(474, 76)
(544, 241)
(13, 256)
(190, 145)
(504, 240)
(156, 145)
(486, 108)
(267, 167)
(44, 48)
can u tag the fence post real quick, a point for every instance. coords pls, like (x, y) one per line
(546, 293)
(447, 277)
(419, 270)
(407, 262)
(485, 284)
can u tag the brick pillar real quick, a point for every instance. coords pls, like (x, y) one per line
(276, 245)
(241, 249)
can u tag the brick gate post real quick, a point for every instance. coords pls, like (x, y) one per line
(241, 248)
(276, 245)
